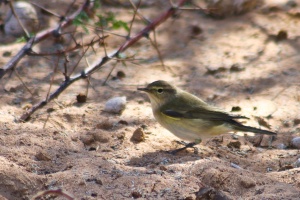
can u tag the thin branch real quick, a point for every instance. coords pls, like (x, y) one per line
(46, 10)
(134, 15)
(71, 49)
(17, 74)
(108, 75)
(52, 77)
(154, 44)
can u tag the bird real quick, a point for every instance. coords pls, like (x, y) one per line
(189, 117)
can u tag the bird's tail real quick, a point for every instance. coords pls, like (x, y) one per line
(254, 130)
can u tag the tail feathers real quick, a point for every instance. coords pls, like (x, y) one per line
(254, 130)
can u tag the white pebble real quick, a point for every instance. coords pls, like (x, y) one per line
(296, 142)
(27, 16)
(115, 105)
(281, 146)
(235, 166)
(297, 164)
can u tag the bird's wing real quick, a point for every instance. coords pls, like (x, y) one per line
(201, 113)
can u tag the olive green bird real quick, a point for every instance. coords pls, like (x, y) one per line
(190, 118)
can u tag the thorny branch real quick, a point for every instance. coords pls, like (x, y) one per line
(97, 65)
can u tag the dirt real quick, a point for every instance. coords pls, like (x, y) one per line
(247, 62)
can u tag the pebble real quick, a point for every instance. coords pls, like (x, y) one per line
(281, 146)
(42, 156)
(27, 15)
(296, 142)
(115, 105)
(235, 166)
(138, 135)
(297, 164)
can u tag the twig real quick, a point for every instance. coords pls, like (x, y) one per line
(97, 65)
(17, 74)
(154, 44)
(38, 38)
(71, 49)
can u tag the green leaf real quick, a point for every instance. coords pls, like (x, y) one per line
(108, 20)
(80, 20)
(120, 24)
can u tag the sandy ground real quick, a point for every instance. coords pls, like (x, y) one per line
(239, 61)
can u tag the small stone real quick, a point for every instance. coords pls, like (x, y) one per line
(236, 109)
(297, 163)
(247, 182)
(296, 122)
(281, 35)
(234, 144)
(281, 146)
(292, 3)
(121, 136)
(115, 105)
(101, 137)
(105, 125)
(286, 124)
(49, 110)
(138, 135)
(123, 122)
(6, 54)
(93, 147)
(87, 139)
(286, 167)
(214, 70)
(27, 106)
(296, 142)
(144, 126)
(17, 101)
(98, 181)
(121, 74)
(236, 68)
(163, 168)
(136, 194)
(42, 156)
(27, 15)
(235, 166)
(195, 30)
(81, 98)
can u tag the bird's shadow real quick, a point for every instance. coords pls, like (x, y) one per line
(164, 158)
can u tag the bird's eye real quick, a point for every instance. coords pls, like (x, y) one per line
(160, 90)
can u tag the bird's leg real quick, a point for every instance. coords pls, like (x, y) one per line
(257, 144)
(271, 139)
(186, 145)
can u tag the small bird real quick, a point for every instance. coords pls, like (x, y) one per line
(190, 118)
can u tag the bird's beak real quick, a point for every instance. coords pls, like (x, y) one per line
(143, 89)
